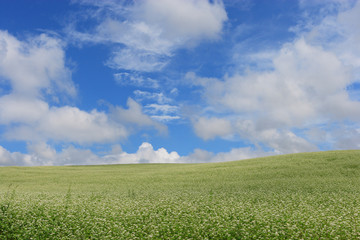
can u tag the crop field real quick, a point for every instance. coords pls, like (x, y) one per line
(298, 196)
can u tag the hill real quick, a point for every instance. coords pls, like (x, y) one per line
(307, 195)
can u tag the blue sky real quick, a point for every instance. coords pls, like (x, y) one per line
(106, 82)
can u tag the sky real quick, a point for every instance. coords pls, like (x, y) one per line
(176, 81)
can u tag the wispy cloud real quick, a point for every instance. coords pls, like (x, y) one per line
(163, 112)
(158, 97)
(135, 79)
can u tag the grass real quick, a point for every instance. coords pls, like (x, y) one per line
(298, 196)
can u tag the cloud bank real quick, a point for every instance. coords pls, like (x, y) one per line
(41, 154)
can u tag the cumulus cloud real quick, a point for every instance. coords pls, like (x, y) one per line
(14, 159)
(34, 65)
(306, 86)
(300, 91)
(16, 108)
(35, 69)
(145, 154)
(41, 122)
(307, 83)
(43, 154)
(73, 124)
(148, 32)
(179, 19)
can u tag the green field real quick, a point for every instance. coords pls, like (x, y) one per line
(299, 196)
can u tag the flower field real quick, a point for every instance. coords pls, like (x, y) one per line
(298, 196)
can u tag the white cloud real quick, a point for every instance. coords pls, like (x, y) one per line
(303, 86)
(135, 116)
(14, 159)
(43, 154)
(165, 118)
(16, 108)
(203, 156)
(240, 154)
(136, 35)
(57, 123)
(307, 86)
(281, 140)
(209, 128)
(345, 137)
(158, 97)
(340, 34)
(34, 69)
(148, 32)
(162, 112)
(72, 124)
(138, 60)
(163, 108)
(74, 156)
(34, 65)
(184, 19)
(134, 79)
(145, 154)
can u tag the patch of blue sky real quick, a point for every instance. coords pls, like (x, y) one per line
(21, 17)
(354, 91)
(12, 145)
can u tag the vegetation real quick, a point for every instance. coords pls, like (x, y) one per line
(298, 196)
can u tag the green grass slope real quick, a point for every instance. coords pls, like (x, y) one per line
(297, 196)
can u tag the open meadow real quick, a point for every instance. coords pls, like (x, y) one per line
(298, 196)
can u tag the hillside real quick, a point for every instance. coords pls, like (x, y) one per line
(308, 195)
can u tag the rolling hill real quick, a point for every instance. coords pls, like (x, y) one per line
(297, 196)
